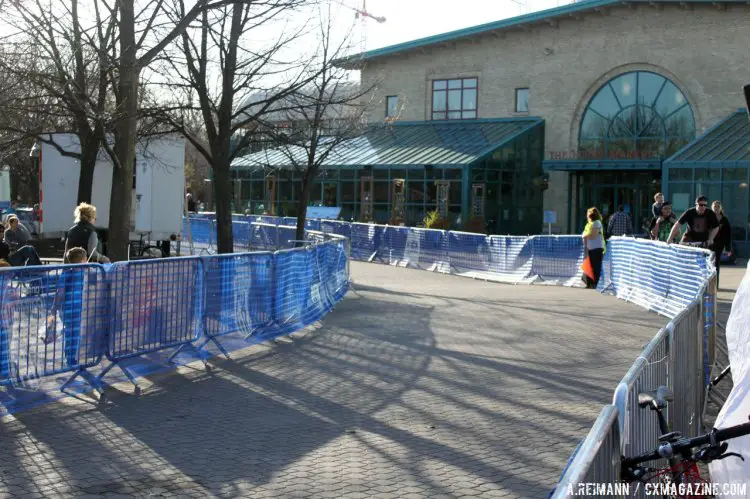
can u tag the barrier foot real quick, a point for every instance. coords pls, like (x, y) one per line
(124, 371)
(215, 342)
(194, 350)
(354, 290)
(90, 379)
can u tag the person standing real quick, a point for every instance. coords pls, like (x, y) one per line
(661, 226)
(723, 240)
(594, 245)
(620, 223)
(83, 233)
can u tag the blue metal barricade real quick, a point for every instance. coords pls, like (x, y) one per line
(366, 240)
(53, 319)
(241, 236)
(264, 237)
(238, 295)
(154, 305)
(299, 299)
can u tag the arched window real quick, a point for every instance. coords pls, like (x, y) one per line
(637, 115)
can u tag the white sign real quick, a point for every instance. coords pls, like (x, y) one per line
(324, 212)
(550, 217)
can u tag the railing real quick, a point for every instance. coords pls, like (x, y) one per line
(68, 319)
(675, 281)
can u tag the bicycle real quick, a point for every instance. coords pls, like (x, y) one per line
(676, 449)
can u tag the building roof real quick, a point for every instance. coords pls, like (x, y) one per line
(404, 144)
(542, 16)
(727, 142)
(287, 109)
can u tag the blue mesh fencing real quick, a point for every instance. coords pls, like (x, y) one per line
(659, 277)
(155, 304)
(299, 299)
(241, 236)
(264, 236)
(333, 262)
(469, 254)
(511, 257)
(557, 259)
(202, 232)
(366, 240)
(56, 319)
(238, 293)
(53, 319)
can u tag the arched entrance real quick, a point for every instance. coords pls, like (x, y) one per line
(629, 126)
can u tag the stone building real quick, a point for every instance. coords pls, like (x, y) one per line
(618, 86)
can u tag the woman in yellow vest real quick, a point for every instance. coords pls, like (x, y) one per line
(594, 245)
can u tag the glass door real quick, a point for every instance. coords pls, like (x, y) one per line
(330, 194)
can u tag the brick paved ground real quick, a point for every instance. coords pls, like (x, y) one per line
(426, 385)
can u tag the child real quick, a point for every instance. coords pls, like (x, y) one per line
(69, 303)
(76, 255)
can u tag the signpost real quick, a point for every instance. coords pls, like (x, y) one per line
(550, 217)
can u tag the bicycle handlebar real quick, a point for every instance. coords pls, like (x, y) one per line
(667, 450)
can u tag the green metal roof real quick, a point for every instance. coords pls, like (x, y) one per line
(546, 15)
(437, 143)
(726, 142)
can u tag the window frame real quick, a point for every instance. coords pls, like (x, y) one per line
(387, 106)
(463, 87)
(528, 94)
(615, 143)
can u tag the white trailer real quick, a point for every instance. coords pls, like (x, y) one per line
(158, 187)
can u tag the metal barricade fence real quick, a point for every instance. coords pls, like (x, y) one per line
(686, 366)
(154, 305)
(52, 320)
(674, 358)
(670, 280)
(264, 237)
(638, 427)
(238, 295)
(298, 298)
(58, 319)
(597, 461)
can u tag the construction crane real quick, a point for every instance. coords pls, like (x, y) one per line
(362, 14)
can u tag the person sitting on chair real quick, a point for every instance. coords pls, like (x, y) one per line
(12, 249)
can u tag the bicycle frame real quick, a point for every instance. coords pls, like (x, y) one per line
(688, 473)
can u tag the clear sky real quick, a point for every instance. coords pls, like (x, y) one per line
(411, 19)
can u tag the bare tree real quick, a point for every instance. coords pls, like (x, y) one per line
(61, 61)
(145, 29)
(326, 117)
(214, 70)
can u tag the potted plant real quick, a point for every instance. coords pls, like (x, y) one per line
(433, 221)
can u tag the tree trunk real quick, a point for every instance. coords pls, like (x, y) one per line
(125, 136)
(304, 194)
(223, 201)
(89, 152)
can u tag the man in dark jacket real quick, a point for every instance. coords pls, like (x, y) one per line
(83, 233)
